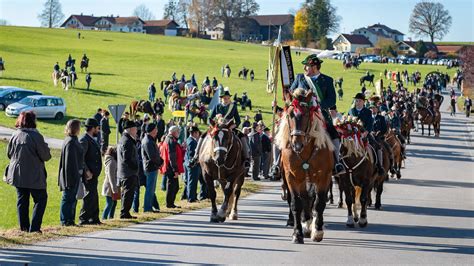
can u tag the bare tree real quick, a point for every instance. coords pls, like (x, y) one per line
(230, 12)
(200, 15)
(182, 12)
(143, 12)
(430, 19)
(52, 15)
(171, 10)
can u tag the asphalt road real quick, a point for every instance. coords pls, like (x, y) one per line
(427, 218)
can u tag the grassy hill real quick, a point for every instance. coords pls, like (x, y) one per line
(124, 64)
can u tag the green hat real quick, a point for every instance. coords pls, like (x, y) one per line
(373, 105)
(224, 93)
(312, 60)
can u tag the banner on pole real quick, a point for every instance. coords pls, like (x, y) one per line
(179, 113)
(286, 67)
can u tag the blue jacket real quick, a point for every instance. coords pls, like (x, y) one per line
(325, 83)
(380, 125)
(191, 145)
(364, 115)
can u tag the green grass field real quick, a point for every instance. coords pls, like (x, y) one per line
(122, 67)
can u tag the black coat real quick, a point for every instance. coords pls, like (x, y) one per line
(92, 155)
(150, 154)
(98, 117)
(266, 143)
(104, 126)
(71, 163)
(160, 126)
(127, 157)
(255, 144)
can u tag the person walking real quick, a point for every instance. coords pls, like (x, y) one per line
(27, 152)
(88, 80)
(70, 172)
(255, 151)
(92, 169)
(173, 156)
(127, 161)
(104, 132)
(151, 163)
(192, 172)
(110, 188)
(98, 117)
(453, 105)
(151, 92)
(266, 152)
(467, 106)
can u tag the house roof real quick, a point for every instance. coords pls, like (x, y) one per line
(160, 23)
(272, 20)
(128, 20)
(431, 46)
(84, 20)
(386, 28)
(449, 49)
(356, 39)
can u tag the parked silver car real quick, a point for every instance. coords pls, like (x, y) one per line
(43, 106)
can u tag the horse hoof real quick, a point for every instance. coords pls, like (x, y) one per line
(378, 207)
(233, 216)
(339, 205)
(317, 236)
(356, 219)
(297, 240)
(331, 202)
(350, 225)
(214, 219)
(221, 219)
(363, 222)
(290, 223)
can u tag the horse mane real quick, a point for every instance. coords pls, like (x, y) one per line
(317, 132)
(206, 151)
(353, 148)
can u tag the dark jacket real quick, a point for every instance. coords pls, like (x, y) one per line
(150, 154)
(71, 163)
(224, 111)
(266, 143)
(160, 126)
(92, 155)
(191, 145)
(127, 157)
(98, 117)
(255, 144)
(121, 124)
(380, 125)
(104, 126)
(364, 115)
(325, 83)
(27, 152)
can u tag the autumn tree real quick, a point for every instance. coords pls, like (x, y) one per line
(387, 47)
(52, 14)
(300, 28)
(430, 19)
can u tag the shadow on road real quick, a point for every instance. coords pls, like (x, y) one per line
(430, 211)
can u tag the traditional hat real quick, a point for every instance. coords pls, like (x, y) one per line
(129, 124)
(150, 127)
(194, 129)
(373, 105)
(360, 96)
(91, 122)
(224, 92)
(312, 60)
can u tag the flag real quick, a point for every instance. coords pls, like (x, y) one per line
(286, 67)
(215, 99)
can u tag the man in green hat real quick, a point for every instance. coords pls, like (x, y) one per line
(380, 128)
(323, 88)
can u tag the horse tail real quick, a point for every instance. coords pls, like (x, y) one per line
(358, 192)
(161, 84)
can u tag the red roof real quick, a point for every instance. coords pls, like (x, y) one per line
(429, 45)
(128, 20)
(160, 23)
(356, 39)
(87, 21)
(449, 49)
(272, 20)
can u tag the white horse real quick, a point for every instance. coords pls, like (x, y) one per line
(56, 75)
(65, 81)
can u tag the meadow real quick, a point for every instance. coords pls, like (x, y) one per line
(122, 65)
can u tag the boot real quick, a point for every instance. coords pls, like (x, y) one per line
(338, 167)
(380, 170)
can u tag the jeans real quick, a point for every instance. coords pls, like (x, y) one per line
(151, 97)
(40, 198)
(136, 200)
(67, 209)
(150, 190)
(164, 181)
(192, 175)
(109, 210)
(256, 166)
(265, 164)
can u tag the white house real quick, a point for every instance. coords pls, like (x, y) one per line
(350, 42)
(216, 32)
(409, 47)
(80, 22)
(108, 23)
(377, 31)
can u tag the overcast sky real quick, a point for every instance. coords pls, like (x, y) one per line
(354, 14)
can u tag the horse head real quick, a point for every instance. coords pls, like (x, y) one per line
(222, 140)
(299, 119)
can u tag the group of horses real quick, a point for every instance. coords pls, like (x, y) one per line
(67, 76)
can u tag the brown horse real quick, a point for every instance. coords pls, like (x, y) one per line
(380, 179)
(307, 161)
(406, 126)
(221, 159)
(141, 106)
(427, 117)
(396, 146)
(358, 179)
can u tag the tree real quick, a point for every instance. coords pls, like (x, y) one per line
(200, 15)
(322, 18)
(300, 27)
(143, 12)
(430, 19)
(420, 48)
(171, 10)
(387, 47)
(52, 15)
(182, 12)
(231, 13)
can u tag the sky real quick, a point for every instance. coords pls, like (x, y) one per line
(354, 13)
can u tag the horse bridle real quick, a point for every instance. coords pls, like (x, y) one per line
(226, 150)
(297, 132)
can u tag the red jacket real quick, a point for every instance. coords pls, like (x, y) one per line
(173, 155)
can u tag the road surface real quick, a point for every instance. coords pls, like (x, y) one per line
(6, 134)
(427, 218)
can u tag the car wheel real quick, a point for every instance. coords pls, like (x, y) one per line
(2, 107)
(59, 116)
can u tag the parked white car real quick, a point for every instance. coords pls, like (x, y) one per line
(43, 106)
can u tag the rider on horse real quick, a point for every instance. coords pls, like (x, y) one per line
(365, 115)
(228, 111)
(85, 58)
(380, 129)
(214, 83)
(56, 67)
(206, 82)
(395, 124)
(322, 87)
